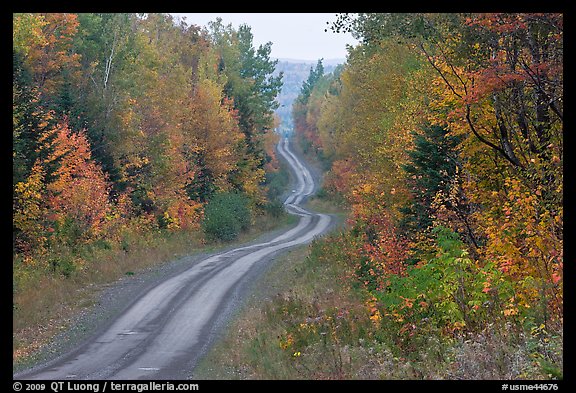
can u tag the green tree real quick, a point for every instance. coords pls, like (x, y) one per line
(25, 120)
(252, 87)
(432, 165)
(308, 85)
(226, 215)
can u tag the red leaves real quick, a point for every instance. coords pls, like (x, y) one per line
(65, 186)
(80, 187)
(499, 22)
(558, 272)
(408, 303)
(340, 176)
(382, 252)
(490, 80)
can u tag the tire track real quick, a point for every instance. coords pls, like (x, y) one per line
(163, 334)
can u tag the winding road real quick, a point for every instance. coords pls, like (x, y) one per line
(163, 334)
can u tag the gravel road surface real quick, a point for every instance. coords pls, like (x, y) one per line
(165, 329)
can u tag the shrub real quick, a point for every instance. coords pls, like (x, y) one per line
(63, 265)
(277, 182)
(226, 215)
(275, 208)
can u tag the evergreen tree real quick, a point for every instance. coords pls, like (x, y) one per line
(432, 166)
(308, 85)
(250, 82)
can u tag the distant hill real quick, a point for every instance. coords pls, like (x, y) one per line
(326, 62)
(296, 71)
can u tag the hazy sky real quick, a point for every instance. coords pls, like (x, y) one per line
(293, 35)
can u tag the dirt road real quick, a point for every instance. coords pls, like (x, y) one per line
(166, 330)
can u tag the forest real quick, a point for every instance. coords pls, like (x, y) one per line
(131, 125)
(441, 137)
(129, 122)
(294, 73)
(443, 133)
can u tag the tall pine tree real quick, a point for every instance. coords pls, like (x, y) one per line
(431, 168)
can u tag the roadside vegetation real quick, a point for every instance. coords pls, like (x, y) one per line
(39, 315)
(131, 132)
(318, 321)
(443, 135)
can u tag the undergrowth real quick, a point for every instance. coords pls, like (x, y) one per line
(65, 280)
(320, 326)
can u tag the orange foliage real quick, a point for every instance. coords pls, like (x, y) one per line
(271, 139)
(29, 210)
(80, 188)
(513, 168)
(183, 213)
(50, 51)
(524, 240)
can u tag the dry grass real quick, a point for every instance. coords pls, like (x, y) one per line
(251, 349)
(46, 303)
(44, 312)
(325, 205)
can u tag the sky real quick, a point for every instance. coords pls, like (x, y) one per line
(293, 35)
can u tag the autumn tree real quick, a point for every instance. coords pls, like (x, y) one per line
(144, 117)
(152, 102)
(45, 41)
(214, 136)
(66, 194)
(43, 63)
(508, 90)
(252, 88)
(29, 211)
(497, 84)
(78, 195)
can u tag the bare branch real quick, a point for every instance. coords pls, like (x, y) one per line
(429, 58)
(487, 142)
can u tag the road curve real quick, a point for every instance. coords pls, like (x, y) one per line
(163, 334)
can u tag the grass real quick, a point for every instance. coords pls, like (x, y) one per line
(305, 320)
(300, 293)
(327, 206)
(45, 303)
